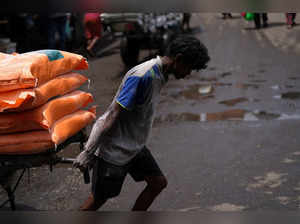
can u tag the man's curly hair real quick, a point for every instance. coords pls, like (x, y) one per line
(193, 51)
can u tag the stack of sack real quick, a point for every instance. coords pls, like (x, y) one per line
(40, 106)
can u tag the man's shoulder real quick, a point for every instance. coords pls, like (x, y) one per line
(143, 69)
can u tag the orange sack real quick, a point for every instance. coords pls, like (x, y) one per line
(25, 143)
(29, 70)
(24, 99)
(4, 56)
(44, 116)
(71, 124)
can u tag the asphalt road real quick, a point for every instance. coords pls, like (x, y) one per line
(233, 149)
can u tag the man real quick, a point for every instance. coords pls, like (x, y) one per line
(186, 22)
(290, 20)
(257, 20)
(116, 145)
(57, 23)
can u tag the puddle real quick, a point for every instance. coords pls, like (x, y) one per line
(261, 71)
(189, 209)
(222, 84)
(211, 79)
(174, 85)
(283, 200)
(176, 117)
(294, 78)
(289, 117)
(225, 74)
(236, 114)
(254, 100)
(196, 92)
(297, 188)
(289, 86)
(270, 180)
(233, 102)
(204, 90)
(227, 207)
(258, 80)
(291, 95)
(247, 85)
(287, 160)
(252, 75)
(275, 87)
(266, 115)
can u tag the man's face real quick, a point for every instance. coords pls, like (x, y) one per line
(181, 69)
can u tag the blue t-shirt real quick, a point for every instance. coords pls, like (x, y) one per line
(138, 94)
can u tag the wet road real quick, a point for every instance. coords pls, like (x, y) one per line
(226, 138)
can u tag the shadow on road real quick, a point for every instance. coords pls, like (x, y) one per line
(233, 17)
(270, 25)
(276, 24)
(19, 207)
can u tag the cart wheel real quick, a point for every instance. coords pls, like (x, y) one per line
(11, 197)
(130, 51)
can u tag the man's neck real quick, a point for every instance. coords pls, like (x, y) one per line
(166, 66)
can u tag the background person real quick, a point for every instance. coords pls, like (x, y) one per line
(92, 26)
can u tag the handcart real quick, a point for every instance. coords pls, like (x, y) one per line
(9, 164)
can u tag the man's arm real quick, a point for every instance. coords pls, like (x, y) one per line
(102, 125)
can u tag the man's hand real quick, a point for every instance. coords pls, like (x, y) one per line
(83, 161)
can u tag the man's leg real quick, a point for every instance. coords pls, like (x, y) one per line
(91, 205)
(257, 20)
(107, 181)
(51, 34)
(61, 27)
(154, 186)
(265, 19)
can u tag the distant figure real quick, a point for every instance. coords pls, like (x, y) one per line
(57, 23)
(257, 20)
(290, 20)
(92, 25)
(186, 21)
(226, 15)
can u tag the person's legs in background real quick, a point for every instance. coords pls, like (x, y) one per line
(93, 30)
(51, 33)
(290, 19)
(293, 19)
(61, 27)
(257, 20)
(265, 19)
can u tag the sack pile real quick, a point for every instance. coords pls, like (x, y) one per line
(39, 104)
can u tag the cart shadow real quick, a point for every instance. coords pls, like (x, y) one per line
(19, 207)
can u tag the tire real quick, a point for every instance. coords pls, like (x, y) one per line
(129, 51)
(167, 38)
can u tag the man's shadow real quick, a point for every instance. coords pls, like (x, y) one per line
(270, 25)
(234, 17)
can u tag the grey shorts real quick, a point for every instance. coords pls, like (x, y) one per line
(108, 178)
